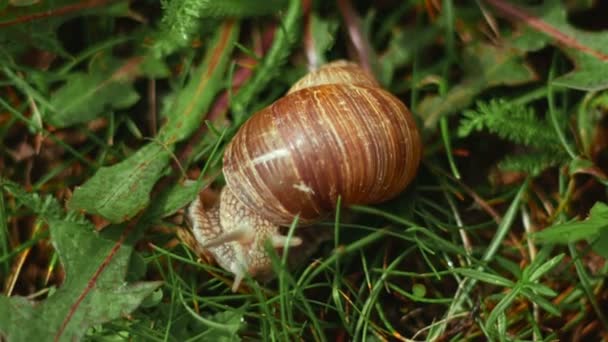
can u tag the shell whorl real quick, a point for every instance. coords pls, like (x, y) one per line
(338, 72)
(337, 133)
(320, 142)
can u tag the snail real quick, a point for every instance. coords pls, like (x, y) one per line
(336, 133)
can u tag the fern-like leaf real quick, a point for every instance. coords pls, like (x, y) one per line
(532, 163)
(182, 18)
(519, 124)
(46, 207)
(513, 122)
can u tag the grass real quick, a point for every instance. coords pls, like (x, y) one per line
(467, 252)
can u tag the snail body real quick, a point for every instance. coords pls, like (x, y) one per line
(336, 133)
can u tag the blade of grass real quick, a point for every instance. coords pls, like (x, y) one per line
(502, 306)
(553, 112)
(466, 286)
(4, 233)
(32, 125)
(447, 143)
(336, 294)
(586, 284)
(361, 327)
(286, 303)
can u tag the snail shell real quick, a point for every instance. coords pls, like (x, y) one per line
(336, 133)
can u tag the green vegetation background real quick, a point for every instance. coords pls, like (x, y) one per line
(108, 107)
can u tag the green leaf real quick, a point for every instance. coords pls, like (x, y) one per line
(589, 114)
(546, 267)
(485, 66)
(86, 96)
(44, 206)
(94, 290)
(542, 302)
(120, 191)
(590, 72)
(323, 35)
(187, 111)
(532, 162)
(600, 246)
(576, 230)
(502, 305)
(173, 199)
(511, 121)
(519, 124)
(182, 18)
(284, 42)
(154, 67)
(590, 57)
(236, 8)
(19, 31)
(223, 326)
(232, 321)
(485, 277)
(579, 165)
(402, 48)
(541, 289)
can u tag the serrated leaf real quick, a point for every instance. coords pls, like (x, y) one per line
(120, 191)
(86, 96)
(590, 73)
(232, 322)
(532, 163)
(186, 114)
(587, 50)
(94, 290)
(239, 8)
(173, 199)
(222, 326)
(485, 66)
(43, 36)
(154, 67)
(182, 18)
(577, 230)
(403, 46)
(510, 121)
(44, 206)
(19, 31)
(590, 60)
(600, 246)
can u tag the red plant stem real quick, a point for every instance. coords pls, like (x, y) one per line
(57, 11)
(518, 13)
(152, 105)
(241, 75)
(309, 44)
(91, 283)
(360, 43)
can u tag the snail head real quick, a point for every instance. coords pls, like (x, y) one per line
(236, 237)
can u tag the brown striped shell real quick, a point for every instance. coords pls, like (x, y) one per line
(335, 134)
(320, 142)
